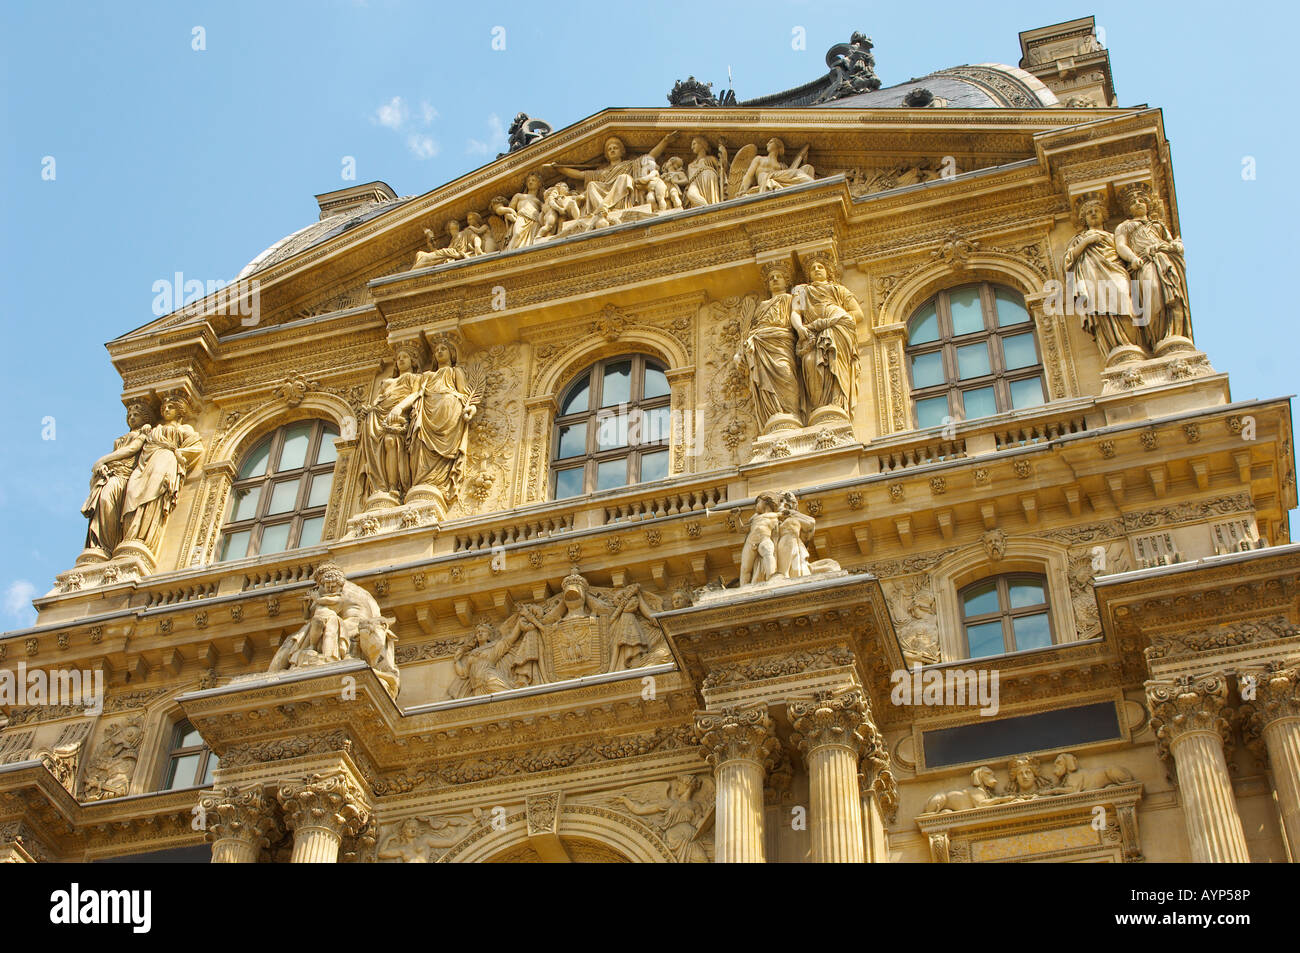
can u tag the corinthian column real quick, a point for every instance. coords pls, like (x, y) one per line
(1276, 719)
(239, 823)
(832, 730)
(321, 810)
(1189, 716)
(739, 744)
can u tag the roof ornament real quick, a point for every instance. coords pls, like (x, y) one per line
(853, 69)
(524, 131)
(692, 92)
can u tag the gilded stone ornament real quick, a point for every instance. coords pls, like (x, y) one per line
(344, 621)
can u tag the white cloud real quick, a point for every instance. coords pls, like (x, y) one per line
(430, 114)
(422, 147)
(18, 601)
(392, 113)
(496, 141)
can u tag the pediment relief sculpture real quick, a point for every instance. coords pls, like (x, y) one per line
(344, 622)
(581, 630)
(1026, 781)
(422, 840)
(110, 770)
(680, 811)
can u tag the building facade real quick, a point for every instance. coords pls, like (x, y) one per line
(830, 476)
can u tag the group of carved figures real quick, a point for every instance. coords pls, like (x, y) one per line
(1026, 781)
(134, 488)
(775, 546)
(620, 189)
(800, 350)
(414, 436)
(581, 630)
(1130, 285)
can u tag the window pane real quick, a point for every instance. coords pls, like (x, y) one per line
(191, 739)
(293, 454)
(1025, 592)
(931, 411)
(183, 770)
(245, 504)
(284, 496)
(575, 401)
(1018, 351)
(212, 766)
(573, 440)
(973, 360)
(327, 453)
(655, 427)
(320, 489)
(1011, 307)
(927, 369)
(255, 462)
(611, 474)
(979, 402)
(234, 546)
(924, 327)
(611, 429)
(967, 315)
(275, 539)
(1032, 632)
(978, 600)
(617, 388)
(985, 639)
(654, 466)
(311, 530)
(656, 383)
(568, 482)
(1027, 393)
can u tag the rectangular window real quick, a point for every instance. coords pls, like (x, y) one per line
(987, 739)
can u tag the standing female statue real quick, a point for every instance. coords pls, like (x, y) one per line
(704, 174)
(523, 214)
(825, 316)
(170, 451)
(108, 479)
(1155, 259)
(441, 408)
(385, 463)
(768, 355)
(1101, 284)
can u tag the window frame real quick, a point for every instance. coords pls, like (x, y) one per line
(207, 758)
(306, 475)
(1006, 613)
(594, 375)
(999, 377)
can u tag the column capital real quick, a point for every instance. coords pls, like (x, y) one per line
(1270, 694)
(737, 734)
(1187, 704)
(244, 814)
(840, 718)
(876, 771)
(332, 802)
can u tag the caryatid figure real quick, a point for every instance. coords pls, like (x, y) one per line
(1155, 260)
(171, 450)
(767, 354)
(1101, 281)
(108, 479)
(385, 462)
(825, 316)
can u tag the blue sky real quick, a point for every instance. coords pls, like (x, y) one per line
(168, 158)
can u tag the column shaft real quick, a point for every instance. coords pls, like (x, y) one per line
(1282, 739)
(836, 822)
(234, 850)
(315, 845)
(1209, 807)
(738, 828)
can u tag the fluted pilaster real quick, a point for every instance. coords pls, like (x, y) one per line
(739, 744)
(321, 810)
(1189, 716)
(239, 823)
(1275, 719)
(832, 729)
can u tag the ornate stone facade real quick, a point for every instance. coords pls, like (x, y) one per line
(631, 544)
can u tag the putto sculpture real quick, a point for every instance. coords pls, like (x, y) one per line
(344, 622)
(775, 546)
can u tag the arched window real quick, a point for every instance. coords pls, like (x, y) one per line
(278, 499)
(613, 427)
(971, 352)
(190, 762)
(1008, 613)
